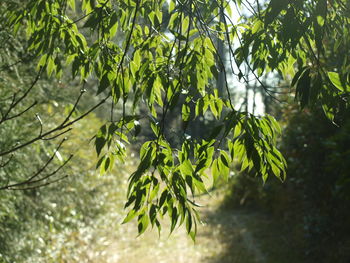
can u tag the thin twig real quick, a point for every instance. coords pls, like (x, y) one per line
(58, 128)
(22, 112)
(82, 91)
(2, 165)
(15, 101)
(52, 173)
(41, 185)
(31, 180)
(39, 171)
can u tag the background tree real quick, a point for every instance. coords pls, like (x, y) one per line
(44, 218)
(311, 203)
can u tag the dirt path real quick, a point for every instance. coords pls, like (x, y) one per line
(248, 239)
(222, 238)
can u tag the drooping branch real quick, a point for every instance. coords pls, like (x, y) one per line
(33, 179)
(41, 185)
(61, 127)
(15, 102)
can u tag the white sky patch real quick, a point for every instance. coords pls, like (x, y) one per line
(236, 86)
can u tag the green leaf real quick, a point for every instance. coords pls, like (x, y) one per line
(172, 6)
(336, 80)
(107, 164)
(274, 9)
(303, 88)
(153, 214)
(42, 61)
(71, 3)
(137, 128)
(174, 218)
(297, 76)
(130, 216)
(276, 126)
(193, 235)
(143, 222)
(188, 221)
(154, 192)
(104, 83)
(92, 21)
(50, 66)
(223, 165)
(257, 26)
(172, 19)
(215, 171)
(198, 182)
(163, 198)
(329, 111)
(185, 24)
(76, 66)
(137, 58)
(155, 128)
(186, 112)
(186, 168)
(99, 144)
(113, 25)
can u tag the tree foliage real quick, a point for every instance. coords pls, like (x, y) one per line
(163, 54)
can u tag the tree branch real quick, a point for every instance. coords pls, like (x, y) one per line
(31, 180)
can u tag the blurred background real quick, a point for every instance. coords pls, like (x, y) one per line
(78, 219)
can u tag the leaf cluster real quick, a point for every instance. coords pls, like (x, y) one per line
(163, 54)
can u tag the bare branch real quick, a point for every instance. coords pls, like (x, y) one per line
(57, 135)
(52, 131)
(41, 185)
(15, 101)
(52, 173)
(82, 91)
(30, 181)
(22, 112)
(39, 171)
(2, 165)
